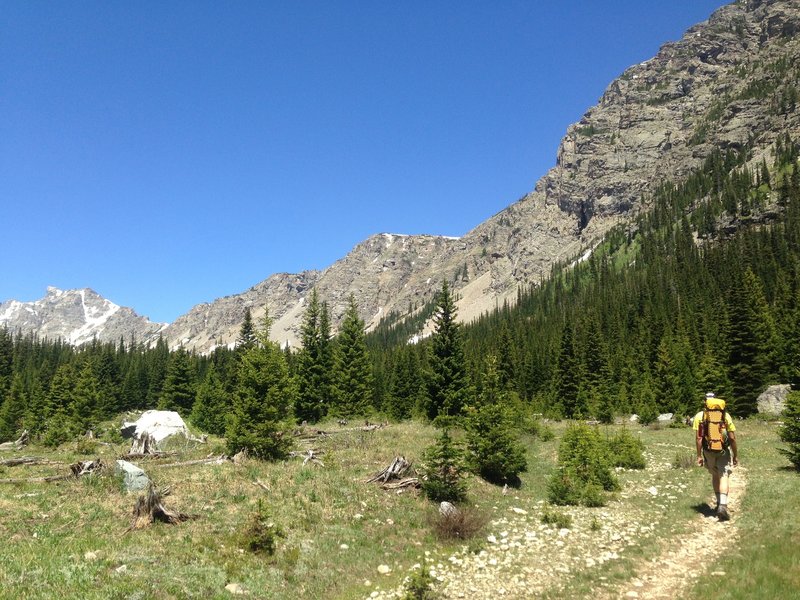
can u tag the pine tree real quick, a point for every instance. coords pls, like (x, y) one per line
(354, 369)
(247, 332)
(12, 411)
(406, 384)
(447, 384)
(494, 450)
(315, 369)
(790, 432)
(6, 361)
(567, 379)
(212, 405)
(260, 416)
(179, 390)
(443, 471)
(86, 399)
(752, 344)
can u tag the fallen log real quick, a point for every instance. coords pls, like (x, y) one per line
(218, 460)
(27, 460)
(408, 482)
(315, 433)
(77, 470)
(150, 508)
(396, 470)
(17, 444)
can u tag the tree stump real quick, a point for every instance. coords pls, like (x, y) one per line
(150, 508)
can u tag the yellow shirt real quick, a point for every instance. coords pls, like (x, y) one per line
(698, 418)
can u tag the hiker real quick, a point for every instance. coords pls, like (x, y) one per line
(715, 441)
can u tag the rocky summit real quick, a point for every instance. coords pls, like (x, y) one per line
(77, 317)
(729, 82)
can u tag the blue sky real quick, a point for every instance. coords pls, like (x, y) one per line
(170, 153)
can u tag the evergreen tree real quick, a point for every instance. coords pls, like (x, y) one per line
(567, 380)
(752, 344)
(406, 384)
(157, 361)
(790, 432)
(260, 416)
(314, 370)
(354, 369)
(447, 384)
(212, 405)
(247, 332)
(443, 471)
(493, 448)
(6, 361)
(179, 390)
(12, 411)
(86, 399)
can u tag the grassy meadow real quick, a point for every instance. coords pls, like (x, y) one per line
(68, 539)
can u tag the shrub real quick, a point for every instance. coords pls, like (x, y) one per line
(494, 451)
(420, 586)
(86, 446)
(560, 520)
(627, 450)
(462, 524)
(442, 471)
(260, 534)
(584, 460)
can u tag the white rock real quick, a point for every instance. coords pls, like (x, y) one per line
(653, 490)
(491, 539)
(343, 546)
(121, 569)
(235, 589)
(519, 511)
(90, 555)
(384, 569)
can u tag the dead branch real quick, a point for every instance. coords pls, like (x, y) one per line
(150, 508)
(309, 455)
(17, 444)
(38, 479)
(396, 470)
(262, 485)
(86, 467)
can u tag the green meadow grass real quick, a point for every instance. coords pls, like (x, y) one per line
(68, 539)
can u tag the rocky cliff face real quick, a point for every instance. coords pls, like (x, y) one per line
(730, 81)
(77, 317)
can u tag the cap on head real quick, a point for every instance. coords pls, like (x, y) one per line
(709, 394)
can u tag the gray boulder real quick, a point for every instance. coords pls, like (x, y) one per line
(773, 400)
(133, 478)
(666, 418)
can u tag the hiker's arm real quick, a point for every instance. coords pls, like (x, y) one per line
(734, 448)
(698, 442)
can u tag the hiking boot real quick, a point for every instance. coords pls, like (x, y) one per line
(722, 513)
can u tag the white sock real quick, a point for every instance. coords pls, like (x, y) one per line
(723, 499)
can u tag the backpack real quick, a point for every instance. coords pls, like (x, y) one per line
(715, 430)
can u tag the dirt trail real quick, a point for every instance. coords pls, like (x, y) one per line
(686, 557)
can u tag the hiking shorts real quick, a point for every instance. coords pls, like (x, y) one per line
(717, 462)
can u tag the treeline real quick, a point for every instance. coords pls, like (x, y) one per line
(701, 292)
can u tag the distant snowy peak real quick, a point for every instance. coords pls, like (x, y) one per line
(77, 316)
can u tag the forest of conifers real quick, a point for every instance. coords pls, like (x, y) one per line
(701, 292)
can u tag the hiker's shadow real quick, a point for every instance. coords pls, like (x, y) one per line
(704, 509)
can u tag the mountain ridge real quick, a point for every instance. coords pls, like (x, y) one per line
(720, 86)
